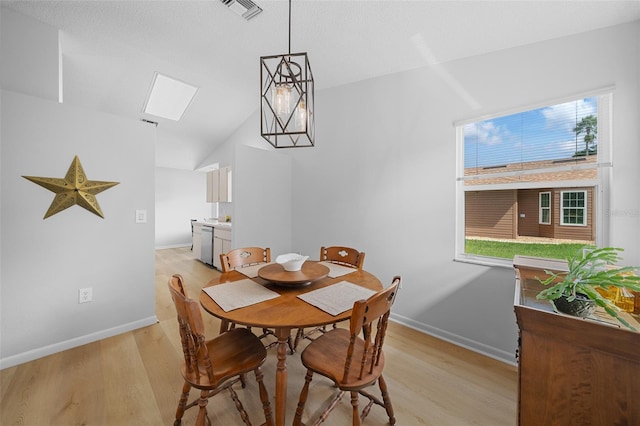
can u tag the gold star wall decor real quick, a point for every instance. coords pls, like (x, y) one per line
(75, 188)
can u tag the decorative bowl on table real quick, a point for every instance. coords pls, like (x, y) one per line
(291, 261)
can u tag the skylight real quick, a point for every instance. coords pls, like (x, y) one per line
(169, 98)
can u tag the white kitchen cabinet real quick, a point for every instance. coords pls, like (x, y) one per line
(213, 180)
(219, 185)
(221, 244)
(224, 185)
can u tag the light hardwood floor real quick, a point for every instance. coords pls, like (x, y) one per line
(134, 378)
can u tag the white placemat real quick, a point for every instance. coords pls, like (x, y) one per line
(238, 294)
(336, 270)
(336, 298)
(252, 270)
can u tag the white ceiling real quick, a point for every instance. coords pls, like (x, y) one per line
(111, 49)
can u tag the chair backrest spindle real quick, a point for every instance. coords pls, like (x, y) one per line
(191, 328)
(364, 315)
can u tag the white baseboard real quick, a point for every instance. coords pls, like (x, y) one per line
(472, 345)
(172, 246)
(21, 358)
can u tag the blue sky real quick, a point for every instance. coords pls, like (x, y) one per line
(540, 134)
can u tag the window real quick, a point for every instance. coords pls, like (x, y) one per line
(537, 175)
(574, 208)
(545, 208)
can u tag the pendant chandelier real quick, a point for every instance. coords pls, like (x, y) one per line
(286, 99)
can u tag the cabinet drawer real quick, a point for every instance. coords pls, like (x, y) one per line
(224, 234)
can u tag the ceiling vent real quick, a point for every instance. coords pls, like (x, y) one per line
(245, 8)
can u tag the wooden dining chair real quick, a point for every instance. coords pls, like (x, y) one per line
(217, 364)
(353, 361)
(246, 256)
(237, 259)
(345, 256)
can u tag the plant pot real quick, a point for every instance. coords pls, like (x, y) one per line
(581, 306)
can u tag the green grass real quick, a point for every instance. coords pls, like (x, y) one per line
(507, 250)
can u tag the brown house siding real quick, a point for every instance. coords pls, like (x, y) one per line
(548, 230)
(497, 214)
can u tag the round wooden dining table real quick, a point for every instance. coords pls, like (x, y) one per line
(283, 314)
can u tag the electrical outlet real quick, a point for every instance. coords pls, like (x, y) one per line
(85, 295)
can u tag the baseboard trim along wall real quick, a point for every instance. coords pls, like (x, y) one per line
(472, 345)
(170, 246)
(13, 360)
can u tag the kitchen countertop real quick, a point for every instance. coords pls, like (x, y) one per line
(214, 224)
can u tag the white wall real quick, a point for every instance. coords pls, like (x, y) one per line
(46, 262)
(43, 263)
(180, 197)
(262, 200)
(33, 70)
(382, 175)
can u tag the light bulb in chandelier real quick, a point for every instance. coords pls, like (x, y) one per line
(301, 116)
(281, 100)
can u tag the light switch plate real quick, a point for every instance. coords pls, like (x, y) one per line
(85, 295)
(141, 216)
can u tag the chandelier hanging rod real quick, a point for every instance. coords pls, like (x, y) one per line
(289, 27)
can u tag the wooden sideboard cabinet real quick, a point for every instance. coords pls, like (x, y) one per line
(572, 371)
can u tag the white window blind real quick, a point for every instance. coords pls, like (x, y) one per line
(549, 144)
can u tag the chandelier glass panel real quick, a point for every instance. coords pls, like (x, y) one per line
(286, 100)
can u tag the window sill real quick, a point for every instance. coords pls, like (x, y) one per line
(484, 261)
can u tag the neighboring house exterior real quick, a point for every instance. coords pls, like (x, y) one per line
(552, 212)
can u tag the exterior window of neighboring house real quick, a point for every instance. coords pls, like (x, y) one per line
(574, 208)
(545, 208)
(537, 174)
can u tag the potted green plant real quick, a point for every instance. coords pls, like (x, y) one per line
(590, 269)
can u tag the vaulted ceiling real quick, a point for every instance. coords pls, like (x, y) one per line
(111, 49)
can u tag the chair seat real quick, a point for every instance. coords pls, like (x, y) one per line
(321, 356)
(235, 352)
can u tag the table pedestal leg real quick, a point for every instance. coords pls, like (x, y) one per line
(283, 335)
